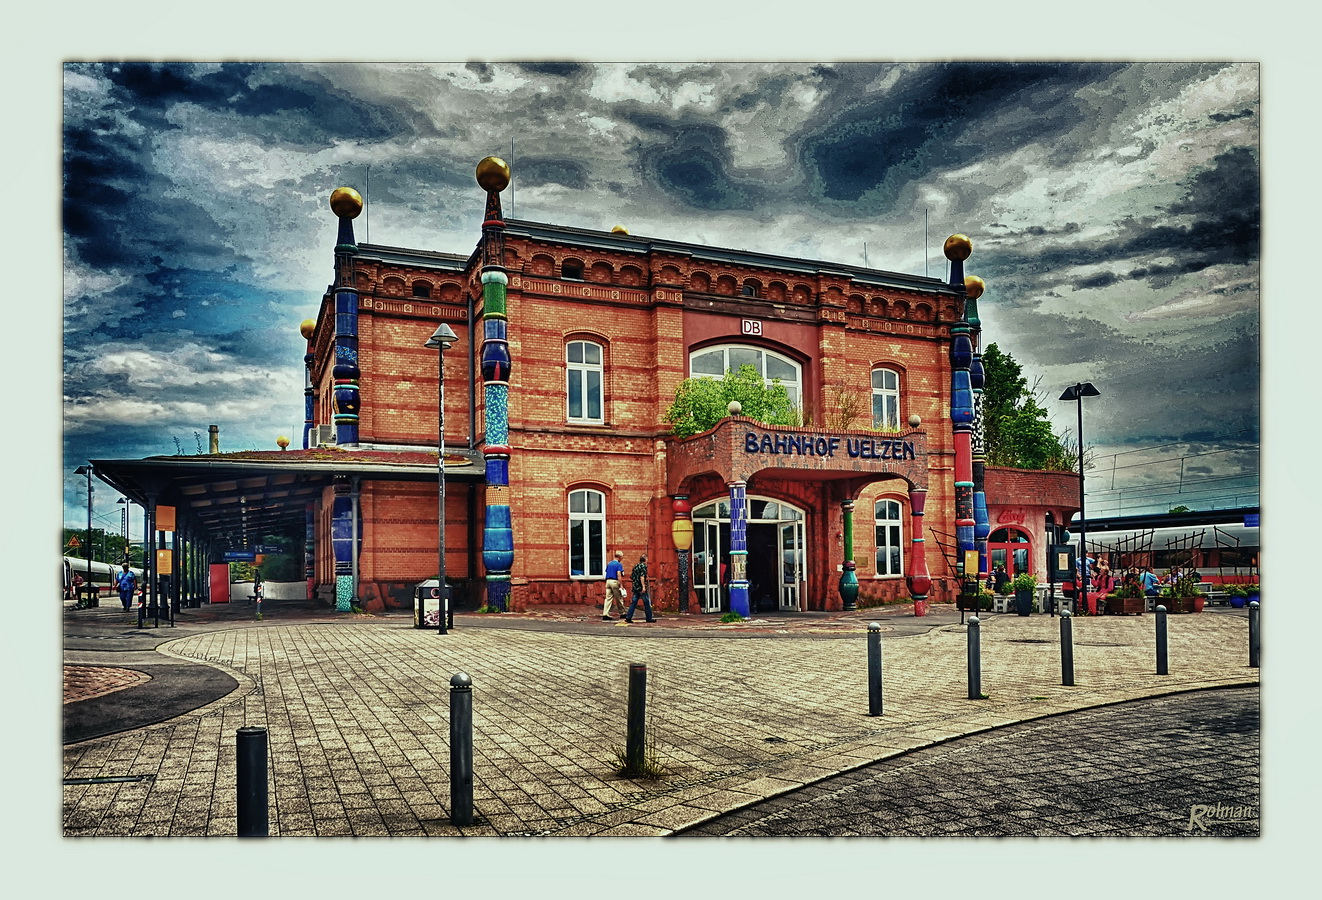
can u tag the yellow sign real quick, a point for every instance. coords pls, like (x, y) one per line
(165, 518)
(970, 562)
(164, 562)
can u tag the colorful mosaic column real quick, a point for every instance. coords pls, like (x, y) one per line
(919, 581)
(848, 578)
(957, 249)
(493, 175)
(310, 548)
(681, 531)
(342, 543)
(973, 288)
(306, 329)
(346, 204)
(738, 549)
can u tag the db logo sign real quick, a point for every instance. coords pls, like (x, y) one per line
(753, 327)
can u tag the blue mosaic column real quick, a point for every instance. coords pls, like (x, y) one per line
(306, 329)
(346, 204)
(957, 249)
(493, 175)
(738, 549)
(342, 544)
(973, 288)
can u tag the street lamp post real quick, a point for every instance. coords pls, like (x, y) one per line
(1076, 393)
(441, 338)
(87, 470)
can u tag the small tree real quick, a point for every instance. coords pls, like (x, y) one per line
(1016, 431)
(700, 403)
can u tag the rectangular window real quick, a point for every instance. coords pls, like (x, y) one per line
(587, 534)
(885, 400)
(583, 382)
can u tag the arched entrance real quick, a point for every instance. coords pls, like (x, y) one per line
(1011, 548)
(776, 570)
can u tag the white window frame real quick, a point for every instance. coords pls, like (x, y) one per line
(883, 544)
(883, 393)
(582, 371)
(794, 388)
(580, 529)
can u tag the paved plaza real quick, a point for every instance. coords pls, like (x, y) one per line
(357, 711)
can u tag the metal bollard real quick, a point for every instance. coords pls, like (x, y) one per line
(250, 750)
(461, 749)
(975, 658)
(874, 669)
(636, 730)
(1066, 648)
(1255, 635)
(1163, 667)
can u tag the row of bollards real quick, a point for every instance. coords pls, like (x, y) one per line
(1066, 653)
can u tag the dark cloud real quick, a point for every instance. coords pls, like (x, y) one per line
(534, 171)
(692, 165)
(936, 117)
(554, 69)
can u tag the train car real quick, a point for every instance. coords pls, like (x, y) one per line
(1223, 549)
(102, 576)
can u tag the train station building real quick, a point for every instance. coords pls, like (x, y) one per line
(562, 350)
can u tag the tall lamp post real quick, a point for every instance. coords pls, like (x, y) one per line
(87, 470)
(441, 338)
(1076, 393)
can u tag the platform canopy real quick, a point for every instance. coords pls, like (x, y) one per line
(228, 496)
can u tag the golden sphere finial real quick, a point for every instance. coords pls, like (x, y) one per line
(493, 174)
(958, 247)
(346, 203)
(974, 286)
(306, 328)
(619, 229)
(282, 442)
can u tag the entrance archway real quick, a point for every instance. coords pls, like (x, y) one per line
(775, 570)
(1011, 548)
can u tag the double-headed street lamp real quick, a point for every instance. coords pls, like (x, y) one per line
(1076, 393)
(441, 338)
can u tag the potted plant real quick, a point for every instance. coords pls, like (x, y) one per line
(1127, 599)
(1183, 596)
(1238, 595)
(1253, 594)
(1023, 585)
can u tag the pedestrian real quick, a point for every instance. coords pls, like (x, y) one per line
(639, 578)
(126, 582)
(614, 593)
(1150, 581)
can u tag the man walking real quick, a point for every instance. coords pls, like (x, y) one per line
(639, 578)
(614, 593)
(125, 582)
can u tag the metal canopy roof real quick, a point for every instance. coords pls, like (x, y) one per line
(239, 496)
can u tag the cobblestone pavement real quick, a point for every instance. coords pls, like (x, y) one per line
(1184, 765)
(86, 682)
(357, 716)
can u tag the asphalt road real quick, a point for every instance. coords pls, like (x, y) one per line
(1179, 766)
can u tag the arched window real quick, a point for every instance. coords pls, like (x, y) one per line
(587, 534)
(772, 366)
(572, 268)
(583, 379)
(885, 400)
(421, 289)
(890, 552)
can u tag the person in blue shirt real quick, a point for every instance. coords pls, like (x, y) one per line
(1149, 580)
(126, 582)
(614, 593)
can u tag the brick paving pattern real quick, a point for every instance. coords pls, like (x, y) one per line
(1180, 766)
(85, 682)
(357, 714)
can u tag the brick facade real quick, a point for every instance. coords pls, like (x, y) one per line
(648, 304)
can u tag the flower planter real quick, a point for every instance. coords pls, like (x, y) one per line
(1125, 606)
(1238, 602)
(1023, 601)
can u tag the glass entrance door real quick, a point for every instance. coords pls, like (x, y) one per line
(791, 562)
(707, 558)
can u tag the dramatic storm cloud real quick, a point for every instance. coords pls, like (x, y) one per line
(1114, 211)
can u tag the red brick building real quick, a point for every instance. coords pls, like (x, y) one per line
(602, 328)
